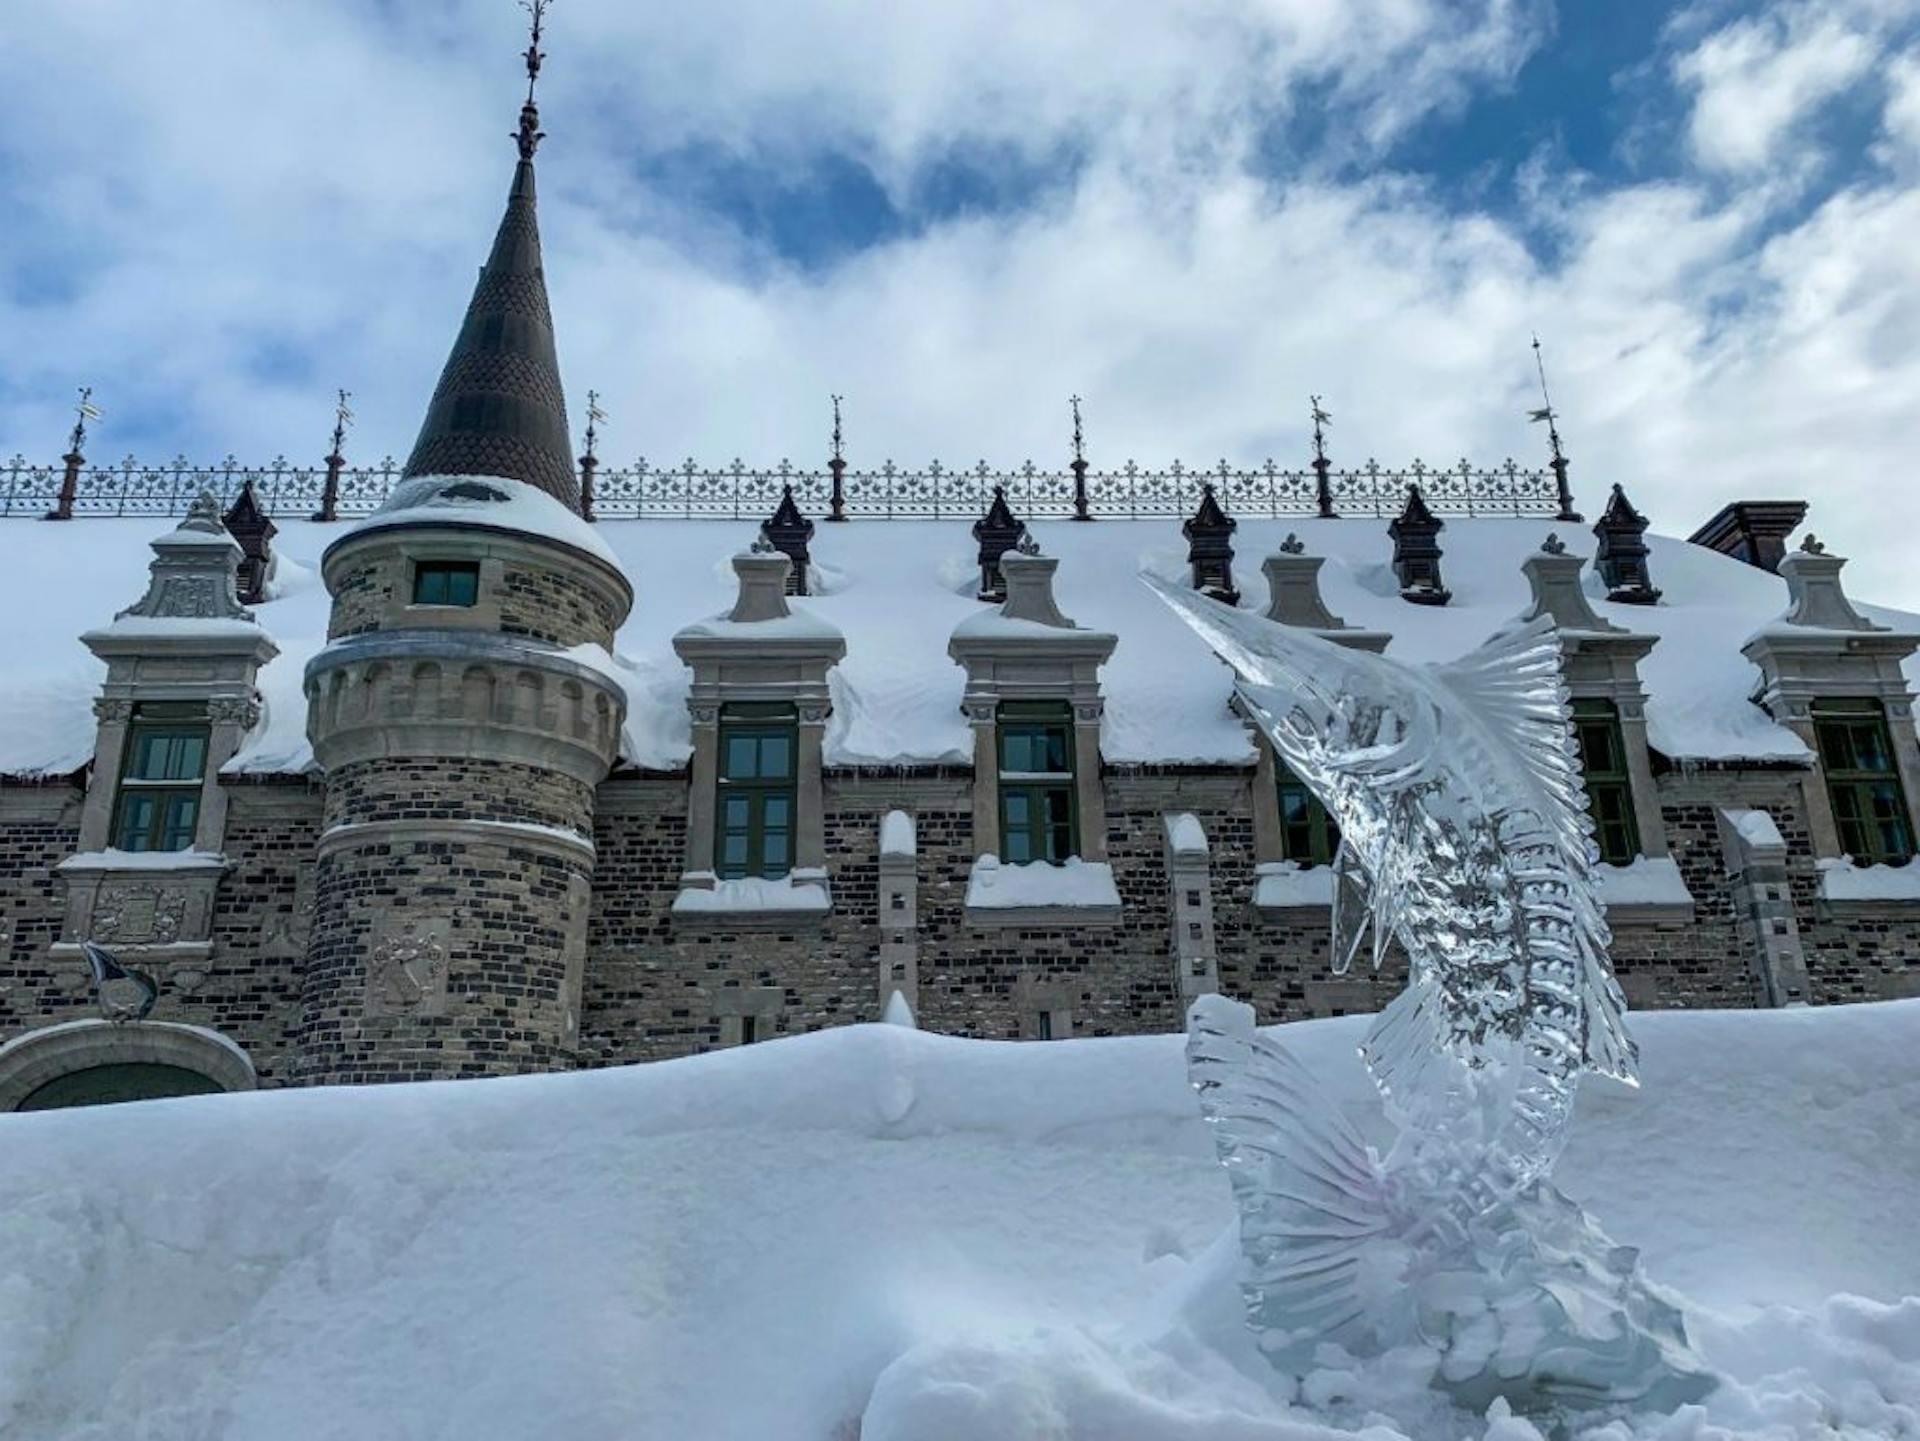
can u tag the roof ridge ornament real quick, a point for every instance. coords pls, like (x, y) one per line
(530, 134)
(1547, 413)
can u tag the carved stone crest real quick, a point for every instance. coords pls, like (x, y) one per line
(407, 971)
(139, 914)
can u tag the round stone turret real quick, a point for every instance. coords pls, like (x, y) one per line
(463, 717)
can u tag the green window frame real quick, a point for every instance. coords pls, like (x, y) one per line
(1603, 766)
(446, 582)
(1039, 816)
(1863, 780)
(754, 810)
(1308, 835)
(163, 767)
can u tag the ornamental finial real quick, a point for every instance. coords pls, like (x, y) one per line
(1079, 440)
(1322, 418)
(1546, 411)
(1553, 545)
(839, 452)
(594, 416)
(530, 134)
(342, 418)
(84, 411)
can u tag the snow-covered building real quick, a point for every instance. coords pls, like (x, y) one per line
(488, 780)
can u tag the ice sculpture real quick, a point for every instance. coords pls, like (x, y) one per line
(1465, 839)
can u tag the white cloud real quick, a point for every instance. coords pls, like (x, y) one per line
(1758, 78)
(291, 178)
(1902, 117)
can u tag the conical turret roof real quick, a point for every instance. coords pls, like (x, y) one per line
(499, 409)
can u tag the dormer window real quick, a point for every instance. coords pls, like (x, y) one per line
(446, 582)
(1603, 763)
(1869, 806)
(1037, 821)
(164, 770)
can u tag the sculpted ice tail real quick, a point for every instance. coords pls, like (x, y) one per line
(1466, 843)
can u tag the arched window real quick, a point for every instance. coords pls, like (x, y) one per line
(91, 1063)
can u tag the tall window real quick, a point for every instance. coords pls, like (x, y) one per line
(754, 836)
(1868, 804)
(1603, 761)
(161, 773)
(1308, 834)
(1037, 819)
(446, 582)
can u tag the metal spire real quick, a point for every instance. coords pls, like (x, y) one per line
(84, 411)
(1547, 413)
(837, 466)
(1323, 486)
(530, 134)
(1082, 507)
(342, 418)
(594, 416)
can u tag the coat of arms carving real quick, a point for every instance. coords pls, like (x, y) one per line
(406, 973)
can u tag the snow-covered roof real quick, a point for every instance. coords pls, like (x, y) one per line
(897, 590)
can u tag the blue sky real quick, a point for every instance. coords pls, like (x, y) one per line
(1193, 215)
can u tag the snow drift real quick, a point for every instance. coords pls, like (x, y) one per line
(878, 1233)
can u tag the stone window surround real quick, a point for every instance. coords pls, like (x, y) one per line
(205, 671)
(30, 1061)
(1051, 997)
(756, 676)
(1798, 670)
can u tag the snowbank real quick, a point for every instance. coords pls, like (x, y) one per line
(873, 1232)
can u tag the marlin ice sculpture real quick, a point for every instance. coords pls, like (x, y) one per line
(1465, 839)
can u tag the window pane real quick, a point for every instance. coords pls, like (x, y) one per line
(1017, 842)
(742, 758)
(774, 860)
(775, 756)
(733, 853)
(1869, 746)
(136, 821)
(1014, 752)
(1059, 833)
(778, 809)
(176, 833)
(1018, 816)
(734, 811)
(463, 587)
(1056, 740)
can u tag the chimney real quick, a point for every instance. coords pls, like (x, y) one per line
(1755, 531)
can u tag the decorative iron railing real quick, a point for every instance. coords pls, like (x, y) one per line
(743, 492)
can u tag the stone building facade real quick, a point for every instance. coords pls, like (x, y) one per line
(475, 869)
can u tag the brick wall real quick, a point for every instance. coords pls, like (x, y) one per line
(550, 606)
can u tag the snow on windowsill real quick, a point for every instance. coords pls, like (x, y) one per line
(753, 902)
(1648, 883)
(117, 860)
(1842, 880)
(1075, 892)
(1289, 886)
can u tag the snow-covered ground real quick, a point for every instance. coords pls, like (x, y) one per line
(876, 1233)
